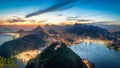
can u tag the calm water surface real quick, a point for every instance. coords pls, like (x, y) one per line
(101, 56)
(5, 37)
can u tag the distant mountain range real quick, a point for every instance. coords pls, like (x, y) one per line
(34, 40)
(91, 31)
(82, 30)
(51, 31)
(111, 28)
(87, 30)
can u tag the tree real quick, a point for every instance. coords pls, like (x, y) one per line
(8, 62)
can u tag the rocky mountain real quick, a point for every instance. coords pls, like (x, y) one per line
(51, 31)
(39, 31)
(28, 42)
(111, 28)
(90, 31)
(56, 27)
(87, 30)
(57, 56)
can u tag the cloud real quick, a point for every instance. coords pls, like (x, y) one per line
(83, 20)
(3, 21)
(106, 23)
(57, 7)
(16, 20)
(78, 19)
(41, 21)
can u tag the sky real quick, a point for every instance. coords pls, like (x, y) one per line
(61, 11)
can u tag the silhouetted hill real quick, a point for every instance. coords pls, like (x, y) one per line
(92, 31)
(39, 31)
(87, 30)
(112, 28)
(116, 33)
(29, 42)
(56, 56)
(56, 27)
(51, 31)
(21, 30)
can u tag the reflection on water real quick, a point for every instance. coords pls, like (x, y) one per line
(98, 54)
(5, 37)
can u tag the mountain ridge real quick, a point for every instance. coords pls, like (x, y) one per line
(62, 57)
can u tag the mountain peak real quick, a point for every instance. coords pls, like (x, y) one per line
(62, 57)
(39, 31)
(37, 28)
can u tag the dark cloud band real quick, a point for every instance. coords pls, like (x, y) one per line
(56, 7)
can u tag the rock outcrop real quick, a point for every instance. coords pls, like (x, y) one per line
(57, 56)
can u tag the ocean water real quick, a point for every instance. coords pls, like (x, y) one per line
(98, 54)
(5, 38)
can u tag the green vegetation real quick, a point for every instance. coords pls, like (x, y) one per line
(8, 62)
(62, 57)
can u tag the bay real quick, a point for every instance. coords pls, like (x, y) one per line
(98, 54)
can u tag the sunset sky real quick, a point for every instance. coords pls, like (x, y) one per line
(59, 11)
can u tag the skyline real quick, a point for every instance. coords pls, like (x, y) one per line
(82, 11)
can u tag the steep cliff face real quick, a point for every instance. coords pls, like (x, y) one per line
(57, 56)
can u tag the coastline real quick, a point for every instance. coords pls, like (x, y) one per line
(5, 38)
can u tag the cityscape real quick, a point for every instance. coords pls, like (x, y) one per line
(60, 34)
